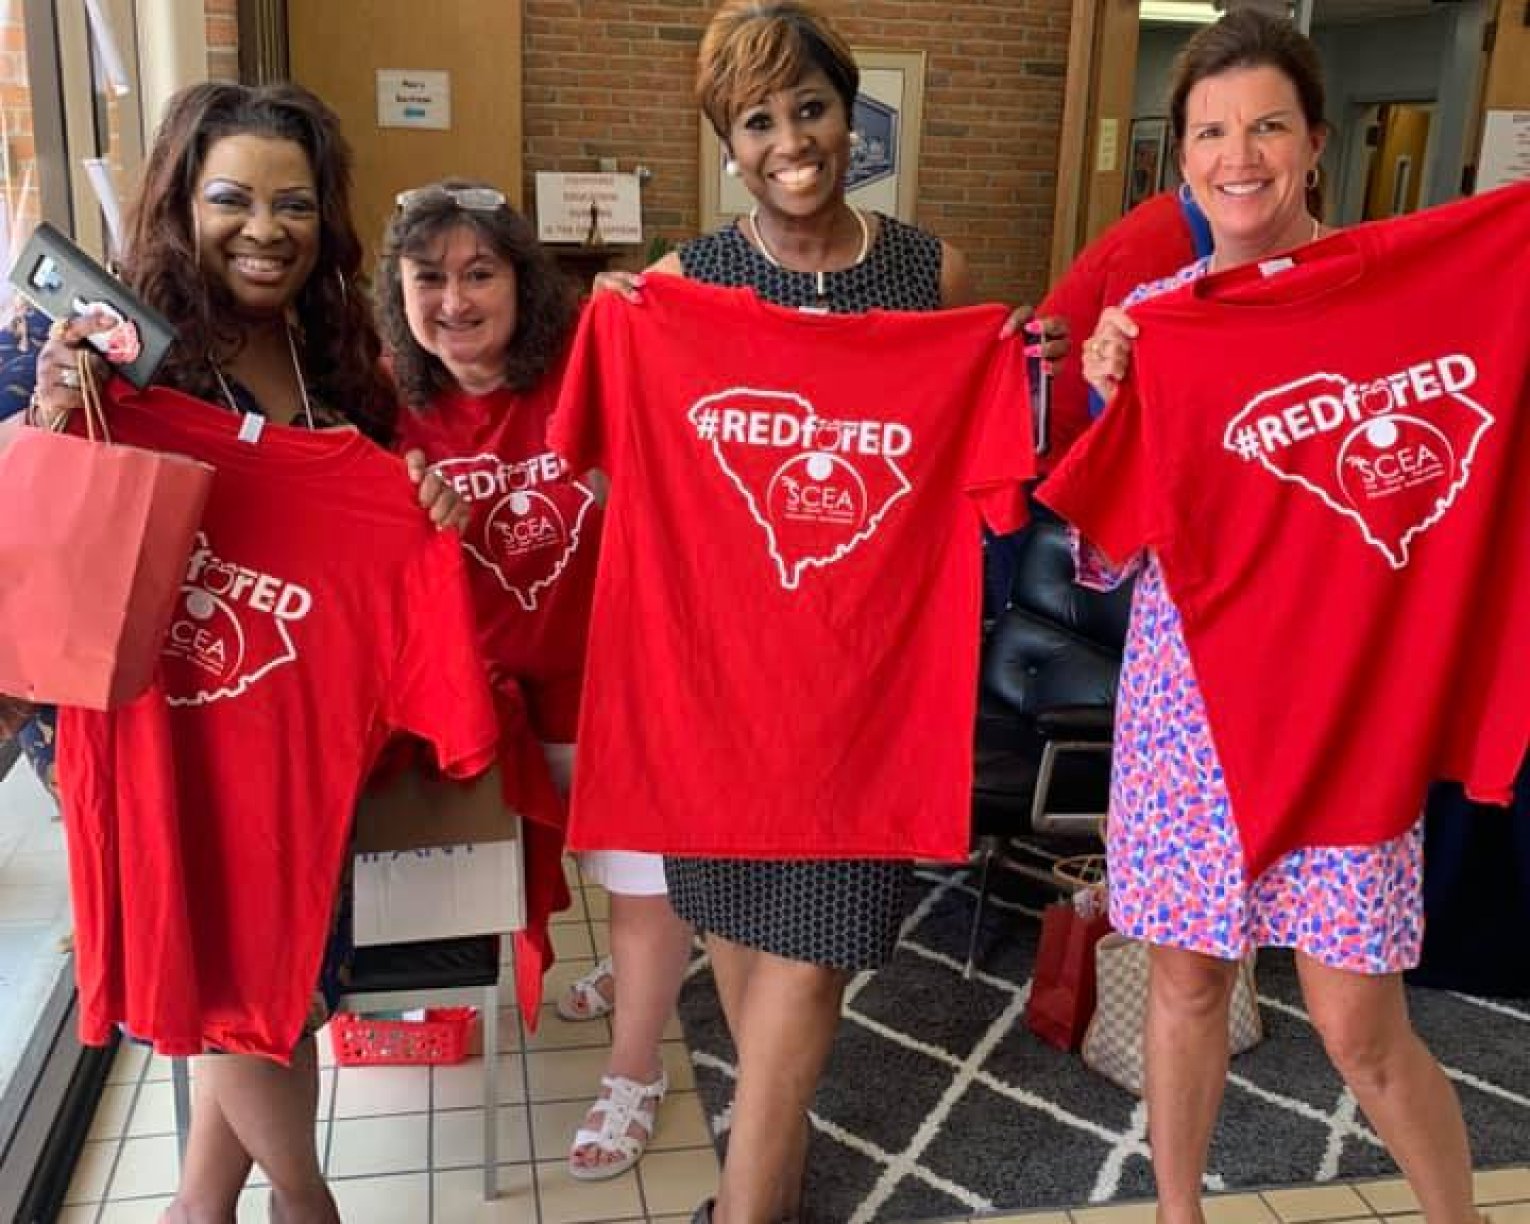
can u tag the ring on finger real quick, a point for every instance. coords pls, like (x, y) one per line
(69, 378)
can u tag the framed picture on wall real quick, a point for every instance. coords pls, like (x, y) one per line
(884, 163)
(1145, 155)
(1171, 177)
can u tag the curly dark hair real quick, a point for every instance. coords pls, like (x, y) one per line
(545, 304)
(341, 349)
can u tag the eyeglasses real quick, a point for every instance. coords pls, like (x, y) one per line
(473, 199)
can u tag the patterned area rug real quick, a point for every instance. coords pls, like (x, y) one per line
(939, 1103)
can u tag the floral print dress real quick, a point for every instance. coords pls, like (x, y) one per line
(1176, 868)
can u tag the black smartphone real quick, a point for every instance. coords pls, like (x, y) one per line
(1040, 377)
(63, 281)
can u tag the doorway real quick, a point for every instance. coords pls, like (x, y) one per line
(1397, 141)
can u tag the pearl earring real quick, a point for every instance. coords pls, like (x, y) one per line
(855, 138)
(730, 168)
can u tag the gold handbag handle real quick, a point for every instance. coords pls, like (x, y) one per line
(95, 416)
(1079, 871)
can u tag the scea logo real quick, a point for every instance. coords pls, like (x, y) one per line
(817, 488)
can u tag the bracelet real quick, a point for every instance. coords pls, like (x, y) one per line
(35, 415)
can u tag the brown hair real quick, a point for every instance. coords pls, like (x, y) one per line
(1251, 38)
(752, 48)
(1248, 38)
(545, 306)
(341, 350)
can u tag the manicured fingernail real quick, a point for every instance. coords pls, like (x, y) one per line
(1033, 326)
(1034, 350)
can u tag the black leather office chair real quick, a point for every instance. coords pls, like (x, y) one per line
(1046, 707)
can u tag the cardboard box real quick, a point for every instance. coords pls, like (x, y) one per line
(435, 859)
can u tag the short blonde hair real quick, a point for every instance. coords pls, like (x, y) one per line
(752, 48)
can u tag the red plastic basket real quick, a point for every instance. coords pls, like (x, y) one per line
(444, 1036)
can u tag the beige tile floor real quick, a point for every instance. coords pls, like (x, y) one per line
(401, 1145)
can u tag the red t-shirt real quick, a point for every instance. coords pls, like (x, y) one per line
(1150, 242)
(208, 820)
(532, 539)
(784, 646)
(1332, 462)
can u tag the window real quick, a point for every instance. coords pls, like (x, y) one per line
(71, 146)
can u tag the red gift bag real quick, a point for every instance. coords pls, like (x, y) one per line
(94, 541)
(1062, 988)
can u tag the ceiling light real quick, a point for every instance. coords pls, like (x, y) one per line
(1177, 12)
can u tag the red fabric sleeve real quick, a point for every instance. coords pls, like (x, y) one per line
(529, 789)
(1150, 242)
(1001, 452)
(580, 428)
(438, 691)
(1108, 486)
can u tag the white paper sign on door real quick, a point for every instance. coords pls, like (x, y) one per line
(408, 99)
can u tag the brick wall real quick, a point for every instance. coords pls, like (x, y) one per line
(612, 78)
(20, 191)
(222, 39)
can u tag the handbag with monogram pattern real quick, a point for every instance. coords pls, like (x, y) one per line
(1113, 1044)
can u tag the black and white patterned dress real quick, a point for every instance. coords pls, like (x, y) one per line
(838, 912)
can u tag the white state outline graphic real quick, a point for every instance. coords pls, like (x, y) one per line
(791, 575)
(1442, 503)
(203, 697)
(528, 597)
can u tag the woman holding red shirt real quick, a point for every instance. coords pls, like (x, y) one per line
(478, 319)
(1247, 112)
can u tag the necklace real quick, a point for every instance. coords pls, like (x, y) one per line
(770, 256)
(297, 372)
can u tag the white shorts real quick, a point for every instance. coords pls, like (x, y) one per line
(627, 873)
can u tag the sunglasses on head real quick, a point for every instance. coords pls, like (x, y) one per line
(473, 199)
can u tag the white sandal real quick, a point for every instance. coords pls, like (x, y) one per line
(583, 999)
(626, 1103)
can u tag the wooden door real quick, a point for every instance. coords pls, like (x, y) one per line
(1096, 127)
(1398, 165)
(337, 50)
